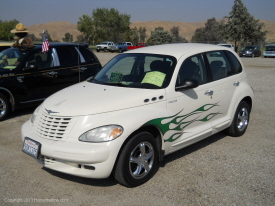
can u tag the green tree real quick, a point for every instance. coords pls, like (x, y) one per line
(105, 24)
(175, 34)
(159, 36)
(142, 34)
(110, 25)
(134, 35)
(86, 26)
(5, 29)
(241, 26)
(209, 33)
(80, 38)
(68, 37)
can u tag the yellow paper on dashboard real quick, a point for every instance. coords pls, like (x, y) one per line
(155, 78)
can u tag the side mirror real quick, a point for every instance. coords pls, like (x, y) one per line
(31, 67)
(187, 84)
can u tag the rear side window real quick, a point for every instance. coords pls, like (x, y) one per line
(219, 65)
(236, 66)
(68, 56)
(88, 55)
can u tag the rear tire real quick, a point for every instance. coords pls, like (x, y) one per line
(5, 107)
(240, 121)
(138, 161)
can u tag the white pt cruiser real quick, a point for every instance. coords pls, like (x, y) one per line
(144, 104)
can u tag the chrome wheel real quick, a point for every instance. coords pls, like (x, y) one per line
(243, 117)
(3, 107)
(141, 160)
(138, 161)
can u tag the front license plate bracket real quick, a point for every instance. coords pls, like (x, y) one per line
(31, 147)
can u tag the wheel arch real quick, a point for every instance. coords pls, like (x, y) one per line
(152, 130)
(248, 100)
(9, 96)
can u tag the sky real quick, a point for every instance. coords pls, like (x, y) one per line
(31, 12)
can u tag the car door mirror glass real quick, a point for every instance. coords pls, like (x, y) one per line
(187, 84)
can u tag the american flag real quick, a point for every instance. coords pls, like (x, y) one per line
(45, 44)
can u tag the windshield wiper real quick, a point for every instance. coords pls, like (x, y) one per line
(116, 84)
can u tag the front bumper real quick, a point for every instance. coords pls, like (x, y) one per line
(91, 160)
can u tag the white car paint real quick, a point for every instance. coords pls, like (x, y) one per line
(90, 105)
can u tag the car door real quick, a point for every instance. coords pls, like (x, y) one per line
(37, 76)
(223, 67)
(192, 109)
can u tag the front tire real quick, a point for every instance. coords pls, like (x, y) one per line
(240, 121)
(138, 161)
(5, 107)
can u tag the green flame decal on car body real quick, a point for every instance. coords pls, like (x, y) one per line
(178, 122)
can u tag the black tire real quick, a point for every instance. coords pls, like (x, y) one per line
(240, 121)
(5, 107)
(138, 161)
(120, 51)
(105, 49)
(98, 50)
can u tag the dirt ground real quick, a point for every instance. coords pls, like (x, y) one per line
(220, 170)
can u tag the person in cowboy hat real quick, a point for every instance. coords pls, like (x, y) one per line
(22, 41)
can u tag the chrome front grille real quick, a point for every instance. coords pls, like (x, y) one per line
(53, 127)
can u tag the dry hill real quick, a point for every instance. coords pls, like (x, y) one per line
(57, 30)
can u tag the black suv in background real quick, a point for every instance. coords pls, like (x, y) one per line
(28, 77)
(250, 51)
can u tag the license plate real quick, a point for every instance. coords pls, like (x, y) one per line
(31, 147)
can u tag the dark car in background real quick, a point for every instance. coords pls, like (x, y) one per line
(28, 77)
(250, 51)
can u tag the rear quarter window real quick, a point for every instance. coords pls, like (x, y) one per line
(68, 56)
(88, 55)
(236, 66)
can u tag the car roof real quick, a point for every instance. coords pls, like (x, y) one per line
(57, 44)
(178, 49)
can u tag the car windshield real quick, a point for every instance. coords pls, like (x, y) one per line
(10, 58)
(271, 48)
(249, 47)
(148, 71)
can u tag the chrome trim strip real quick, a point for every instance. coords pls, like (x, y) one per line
(36, 100)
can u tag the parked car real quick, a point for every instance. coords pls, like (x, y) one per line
(269, 50)
(144, 104)
(228, 45)
(28, 77)
(104, 46)
(120, 47)
(4, 46)
(250, 51)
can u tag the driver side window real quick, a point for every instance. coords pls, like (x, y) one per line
(192, 68)
(41, 60)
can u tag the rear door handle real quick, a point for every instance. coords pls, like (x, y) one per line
(236, 83)
(53, 73)
(209, 93)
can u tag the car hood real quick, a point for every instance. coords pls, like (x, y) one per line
(88, 98)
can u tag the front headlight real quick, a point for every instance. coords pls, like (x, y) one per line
(102, 134)
(34, 114)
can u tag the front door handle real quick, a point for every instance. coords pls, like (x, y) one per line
(53, 73)
(209, 93)
(236, 83)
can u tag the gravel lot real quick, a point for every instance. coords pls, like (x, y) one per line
(219, 170)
